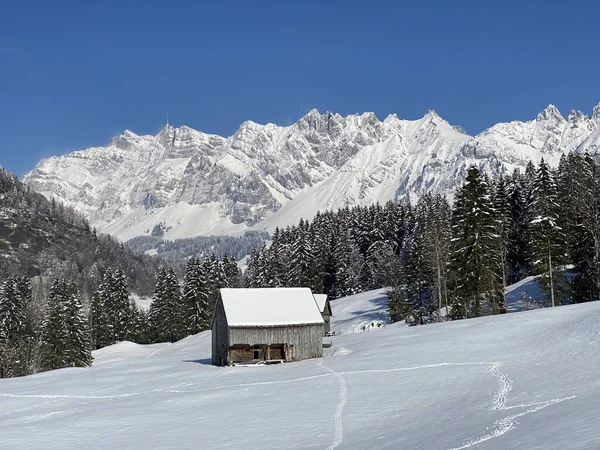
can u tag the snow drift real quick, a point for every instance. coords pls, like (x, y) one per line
(521, 381)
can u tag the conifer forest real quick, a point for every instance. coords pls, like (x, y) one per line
(439, 258)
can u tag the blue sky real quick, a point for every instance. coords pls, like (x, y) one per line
(75, 73)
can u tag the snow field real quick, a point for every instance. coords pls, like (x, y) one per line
(526, 380)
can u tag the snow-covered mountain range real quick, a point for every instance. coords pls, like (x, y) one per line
(192, 183)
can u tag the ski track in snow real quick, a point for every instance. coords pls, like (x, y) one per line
(501, 426)
(508, 423)
(159, 350)
(338, 417)
(505, 387)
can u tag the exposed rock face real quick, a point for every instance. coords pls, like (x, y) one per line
(265, 175)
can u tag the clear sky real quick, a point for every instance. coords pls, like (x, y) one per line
(74, 73)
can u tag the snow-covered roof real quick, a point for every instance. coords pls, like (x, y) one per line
(270, 306)
(321, 300)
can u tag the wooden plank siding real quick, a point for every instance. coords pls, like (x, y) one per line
(220, 335)
(232, 344)
(306, 340)
(327, 320)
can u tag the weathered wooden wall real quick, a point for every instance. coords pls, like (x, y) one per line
(220, 335)
(327, 320)
(307, 340)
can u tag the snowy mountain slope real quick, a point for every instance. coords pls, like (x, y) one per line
(266, 175)
(518, 381)
(361, 312)
(367, 311)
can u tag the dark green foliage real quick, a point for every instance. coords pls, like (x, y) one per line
(196, 296)
(473, 239)
(166, 316)
(548, 237)
(177, 252)
(17, 332)
(112, 312)
(65, 337)
(578, 186)
(44, 239)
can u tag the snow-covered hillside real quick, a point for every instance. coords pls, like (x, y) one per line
(192, 183)
(519, 381)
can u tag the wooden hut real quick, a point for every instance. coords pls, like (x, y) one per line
(325, 307)
(266, 325)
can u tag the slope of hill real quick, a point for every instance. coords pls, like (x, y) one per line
(42, 239)
(519, 381)
(190, 183)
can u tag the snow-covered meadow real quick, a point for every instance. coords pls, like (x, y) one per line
(520, 381)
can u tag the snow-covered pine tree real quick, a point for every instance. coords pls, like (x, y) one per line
(301, 268)
(349, 264)
(436, 218)
(65, 335)
(233, 274)
(122, 313)
(579, 198)
(217, 279)
(54, 339)
(519, 254)
(548, 238)
(419, 277)
(473, 234)
(79, 353)
(12, 317)
(252, 271)
(12, 311)
(195, 297)
(166, 315)
(500, 243)
(102, 312)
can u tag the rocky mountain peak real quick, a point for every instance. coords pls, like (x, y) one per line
(551, 112)
(596, 113)
(267, 175)
(576, 116)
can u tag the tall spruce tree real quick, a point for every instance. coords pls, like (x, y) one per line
(166, 316)
(579, 199)
(195, 297)
(502, 226)
(349, 262)
(473, 235)
(65, 334)
(548, 238)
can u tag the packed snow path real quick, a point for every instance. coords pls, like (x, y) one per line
(525, 380)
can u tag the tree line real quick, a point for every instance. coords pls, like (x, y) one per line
(456, 257)
(434, 256)
(63, 332)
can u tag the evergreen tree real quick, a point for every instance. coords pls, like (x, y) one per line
(579, 199)
(348, 267)
(518, 253)
(436, 232)
(65, 335)
(473, 234)
(195, 297)
(548, 239)
(420, 305)
(12, 324)
(123, 307)
(166, 315)
(301, 269)
(502, 226)
(79, 352)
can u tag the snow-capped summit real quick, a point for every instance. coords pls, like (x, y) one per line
(596, 113)
(263, 176)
